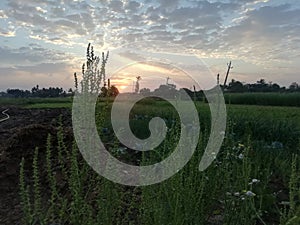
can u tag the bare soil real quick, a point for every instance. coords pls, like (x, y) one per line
(19, 136)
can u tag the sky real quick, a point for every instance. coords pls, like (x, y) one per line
(44, 41)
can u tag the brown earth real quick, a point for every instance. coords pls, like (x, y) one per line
(19, 135)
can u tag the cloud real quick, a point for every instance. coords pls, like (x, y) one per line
(34, 64)
(3, 15)
(7, 33)
(44, 74)
(133, 6)
(32, 54)
(114, 22)
(261, 32)
(135, 57)
(261, 36)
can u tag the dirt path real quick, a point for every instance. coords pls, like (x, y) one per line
(6, 116)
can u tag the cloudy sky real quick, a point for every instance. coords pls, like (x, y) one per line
(44, 41)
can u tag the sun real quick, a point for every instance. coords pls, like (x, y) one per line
(123, 87)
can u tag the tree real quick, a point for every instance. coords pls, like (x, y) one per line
(294, 86)
(34, 90)
(104, 92)
(109, 92)
(145, 91)
(166, 91)
(275, 87)
(262, 82)
(17, 93)
(236, 86)
(113, 91)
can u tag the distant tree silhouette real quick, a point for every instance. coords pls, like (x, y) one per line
(113, 92)
(236, 86)
(166, 91)
(260, 86)
(145, 91)
(294, 87)
(104, 92)
(51, 92)
(109, 92)
(17, 93)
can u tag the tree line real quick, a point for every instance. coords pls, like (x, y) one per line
(36, 91)
(260, 86)
(54, 92)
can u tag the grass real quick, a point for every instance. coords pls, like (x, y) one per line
(262, 99)
(271, 99)
(51, 105)
(242, 186)
(35, 102)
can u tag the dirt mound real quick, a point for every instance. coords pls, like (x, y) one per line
(19, 136)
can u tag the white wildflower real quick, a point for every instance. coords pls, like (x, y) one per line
(250, 194)
(237, 194)
(122, 150)
(284, 203)
(241, 156)
(254, 181)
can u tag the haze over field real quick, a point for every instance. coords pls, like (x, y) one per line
(44, 42)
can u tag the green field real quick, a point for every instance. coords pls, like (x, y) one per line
(263, 99)
(254, 179)
(37, 102)
(271, 99)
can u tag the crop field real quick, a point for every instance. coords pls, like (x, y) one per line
(262, 99)
(254, 179)
(271, 99)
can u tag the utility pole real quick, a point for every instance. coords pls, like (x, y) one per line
(108, 83)
(229, 68)
(218, 79)
(168, 78)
